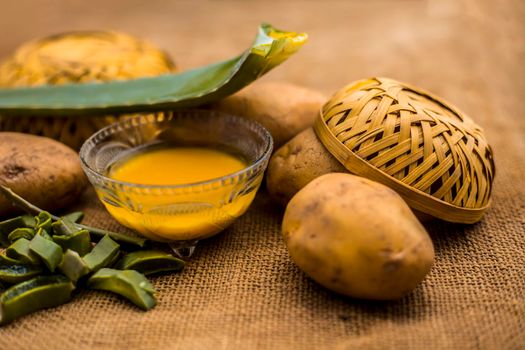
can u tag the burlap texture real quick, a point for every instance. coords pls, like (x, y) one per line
(240, 290)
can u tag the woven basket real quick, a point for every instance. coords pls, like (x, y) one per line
(424, 148)
(71, 58)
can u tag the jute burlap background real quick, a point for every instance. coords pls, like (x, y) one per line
(240, 290)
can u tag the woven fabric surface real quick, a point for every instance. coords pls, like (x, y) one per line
(240, 290)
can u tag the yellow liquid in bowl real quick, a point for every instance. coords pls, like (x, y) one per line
(181, 214)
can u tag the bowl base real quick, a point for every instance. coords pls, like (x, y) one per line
(183, 249)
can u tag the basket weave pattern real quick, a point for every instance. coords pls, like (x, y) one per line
(426, 149)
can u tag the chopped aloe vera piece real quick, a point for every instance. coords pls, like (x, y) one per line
(44, 220)
(7, 226)
(21, 232)
(73, 266)
(28, 221)
(150, 262)
(80, 242)
(43, 233)
(64, 227)
(35, 294)
(4, 259)
(103, 254)
(128, 283)
(20, 250)
(75, 217)
(47, 250)
(13, 271)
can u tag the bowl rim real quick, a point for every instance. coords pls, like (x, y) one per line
(144, 119)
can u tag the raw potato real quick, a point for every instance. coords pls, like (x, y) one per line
(44, 171)
(282, 108)
(298, 162)
(357, 237)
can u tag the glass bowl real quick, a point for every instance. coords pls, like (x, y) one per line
(178, 214)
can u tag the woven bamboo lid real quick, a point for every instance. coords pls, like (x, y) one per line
(421, 146)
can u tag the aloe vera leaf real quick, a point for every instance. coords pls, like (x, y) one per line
(34, 210)
(79, 242)
(103, 254)
(186, 89)
(149, 262)
(43, 220)
(21, 232)
(64, 227)
(73, 266)
(20, 250)
(48, 251)
(128, 283)
(4, 259)
(43, 233)
(35, 294)
(12, 272)
(7, 226)
(121, 238)
(75, 217)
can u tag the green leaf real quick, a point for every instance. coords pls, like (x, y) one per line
(73, 266)
(20, 250)
(47, 250)
(75, 216)
(103, 254)
(12, 272)
(64, 227)
(33, 295)
(128, 283)
(187, 89)
(79, 242)
(150, 262)
(21, 232)
(7, 226)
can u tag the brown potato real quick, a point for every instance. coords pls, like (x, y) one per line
(298, 162)
(282, 108)
(357, 237)
(43, 171)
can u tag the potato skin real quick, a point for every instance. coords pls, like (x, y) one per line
(284, 109)
(298, 162)
(43, 171)
(357, 237)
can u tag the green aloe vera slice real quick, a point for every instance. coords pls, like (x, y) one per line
(7, 226)
(73, 266)
(186, 89)
(128, 283)
(48, 251)
(35, 294)
(4, 259)
(43, 221)
(79, 242)
(20, 250)
(12, 272)
(103, 254)
(150, 262)
(75, 216)
(21, 232)
(64, 227)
